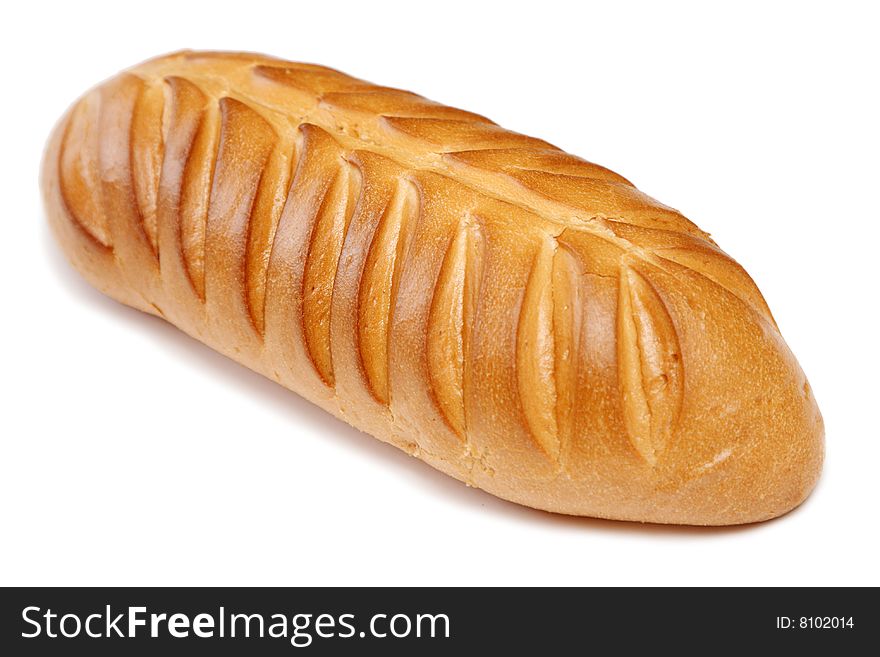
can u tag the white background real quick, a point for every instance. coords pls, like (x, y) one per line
(132, 454)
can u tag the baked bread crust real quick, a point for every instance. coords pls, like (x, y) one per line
(519, 318)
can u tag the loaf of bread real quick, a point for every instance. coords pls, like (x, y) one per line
(517, 317)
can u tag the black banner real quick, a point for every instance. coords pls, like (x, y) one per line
(114, 621)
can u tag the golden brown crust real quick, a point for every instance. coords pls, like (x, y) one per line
(519, 318)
